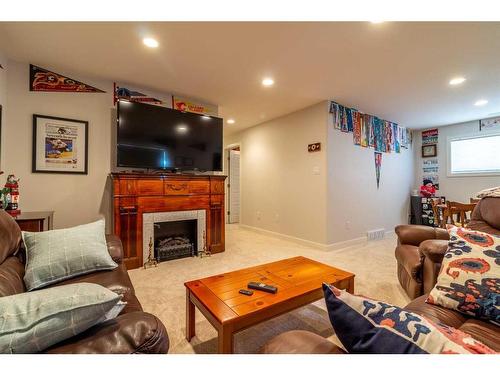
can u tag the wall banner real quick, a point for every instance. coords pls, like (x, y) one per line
(189, 105)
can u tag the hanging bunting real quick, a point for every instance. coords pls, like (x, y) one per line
(396, 133)
(364, 130)
(45, 80)
(378, 165)
(343, 121)
(371, 131)
(356, 134)
(335, 111)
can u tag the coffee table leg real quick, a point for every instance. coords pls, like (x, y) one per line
(225, 340)
(190, 328)
(350, 287)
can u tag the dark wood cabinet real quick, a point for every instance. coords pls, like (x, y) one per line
(35, 221)
(136, 194)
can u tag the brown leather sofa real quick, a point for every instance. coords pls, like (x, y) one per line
(418, 244)
(133, 331)
(421, 251)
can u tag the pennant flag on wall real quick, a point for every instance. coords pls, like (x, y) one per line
(45, 80)
(378, 165)
(133, 96)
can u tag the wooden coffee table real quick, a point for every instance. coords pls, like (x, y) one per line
(298, 280)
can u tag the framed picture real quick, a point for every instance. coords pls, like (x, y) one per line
(429, 151)
(60, 145)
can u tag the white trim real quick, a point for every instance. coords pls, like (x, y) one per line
(450, 139)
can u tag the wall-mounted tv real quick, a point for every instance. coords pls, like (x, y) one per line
(155, 137)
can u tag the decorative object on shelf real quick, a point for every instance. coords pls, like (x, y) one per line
(489, 123)
(10, 196)
(60, 145)
(45, 80)
(429, 151)
(378, 165)
(205, 252)
(189, 105)
(368, 130)
(151, 262)
(427, 189)
(132, 96)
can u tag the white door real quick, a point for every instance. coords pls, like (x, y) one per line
(234, 187)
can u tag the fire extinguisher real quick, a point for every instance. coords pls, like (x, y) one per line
(11, 195)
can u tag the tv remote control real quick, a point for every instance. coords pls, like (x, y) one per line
(263, 287)
(246, 292)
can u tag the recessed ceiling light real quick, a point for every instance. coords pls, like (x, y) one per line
(457, 81)
(230, 121)
(150, 42)
(267, 82)
(481, 102)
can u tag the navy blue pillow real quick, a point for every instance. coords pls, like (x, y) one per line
(364, 325)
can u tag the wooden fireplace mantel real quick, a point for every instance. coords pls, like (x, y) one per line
(138, 193)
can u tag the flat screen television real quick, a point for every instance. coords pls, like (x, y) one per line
(155, 137)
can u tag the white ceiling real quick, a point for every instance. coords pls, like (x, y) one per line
(397, 71)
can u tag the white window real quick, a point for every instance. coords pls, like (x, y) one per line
(477, 155)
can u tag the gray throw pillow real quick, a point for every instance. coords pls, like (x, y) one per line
(61, 254)
(33, 321)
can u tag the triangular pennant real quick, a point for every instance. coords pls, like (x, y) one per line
(45, 80)
(378, 165)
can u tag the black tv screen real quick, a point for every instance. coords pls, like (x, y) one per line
(155, 137)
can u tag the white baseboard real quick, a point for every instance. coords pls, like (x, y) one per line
(301, 241)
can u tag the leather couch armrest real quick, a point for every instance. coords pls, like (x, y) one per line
(135, 332)
(115, 247)
(433, 252)
(416, 234)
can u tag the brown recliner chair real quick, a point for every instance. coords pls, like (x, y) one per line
(416, 243)
(133, 331)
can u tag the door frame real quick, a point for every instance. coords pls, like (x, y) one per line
(227, 149)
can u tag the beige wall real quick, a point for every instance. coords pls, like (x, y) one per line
(279, 190)
(454, 188)
(76, 199)
(355, 205)
(3, 103)
(339, 204)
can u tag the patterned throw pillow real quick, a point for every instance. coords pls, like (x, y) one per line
(469, 279)
(61, 254)
(364, 325)
(31, 322)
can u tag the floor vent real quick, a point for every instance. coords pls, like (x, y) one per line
(377, 234)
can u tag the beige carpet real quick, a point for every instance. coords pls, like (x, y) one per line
(161, 290)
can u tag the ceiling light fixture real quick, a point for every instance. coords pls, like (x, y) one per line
(457, 81)
(267, 82)
(481, 102)
(150, 42)
(230, 121)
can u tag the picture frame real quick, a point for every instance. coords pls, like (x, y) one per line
(429, 151)
(60, 145)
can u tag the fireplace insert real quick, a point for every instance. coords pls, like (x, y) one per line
(175, 239)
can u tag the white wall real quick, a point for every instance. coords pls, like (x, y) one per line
(355, 205)
(341, 203)
(454, 188)
(277, 178)
(76, 199)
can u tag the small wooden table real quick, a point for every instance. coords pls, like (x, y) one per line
(35, 221)
(299, 281)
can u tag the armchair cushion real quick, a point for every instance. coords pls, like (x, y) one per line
(415, 234)
(469, 280)
(434, 249)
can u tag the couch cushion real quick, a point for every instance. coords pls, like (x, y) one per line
(61, 254)
(116, 280)
(300, 342)
(10, 235)
(11, 277)
(469, 280)
(36, 320)
(368, 326)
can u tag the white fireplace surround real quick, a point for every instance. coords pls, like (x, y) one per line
(149, 219)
